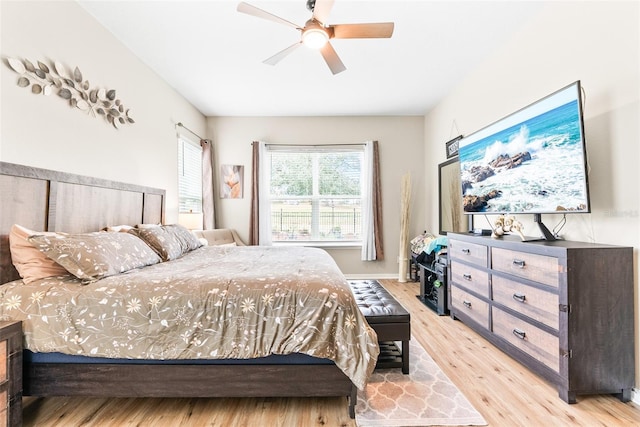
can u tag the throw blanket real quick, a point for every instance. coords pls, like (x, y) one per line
(214, 302)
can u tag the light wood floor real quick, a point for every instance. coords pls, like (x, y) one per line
(503, 391)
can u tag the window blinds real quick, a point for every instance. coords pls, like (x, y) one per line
(189, 176)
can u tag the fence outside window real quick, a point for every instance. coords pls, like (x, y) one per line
(333, 224)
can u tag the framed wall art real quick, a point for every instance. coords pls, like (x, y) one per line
(452, 147)
(231, 181)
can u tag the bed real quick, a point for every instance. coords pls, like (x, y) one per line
(330, 352)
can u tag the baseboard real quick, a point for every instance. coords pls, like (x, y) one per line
(635, 396)
(370, 276)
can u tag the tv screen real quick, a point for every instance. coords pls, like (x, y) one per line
(532, 161)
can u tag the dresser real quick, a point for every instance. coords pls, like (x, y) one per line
(563, 309)
(10, 373)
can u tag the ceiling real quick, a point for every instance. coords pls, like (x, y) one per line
(212, 55)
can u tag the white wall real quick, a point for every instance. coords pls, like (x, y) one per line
(597, 43)
(401, 151)
(46, 132)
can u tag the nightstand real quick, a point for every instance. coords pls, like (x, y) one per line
(10, 373)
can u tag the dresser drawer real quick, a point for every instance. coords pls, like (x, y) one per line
(10, 373)
(470, 252)
(4, 417)
(539, 268)
(471, 278)
(539, 344)
(537, 304)
(4, 354)
(474, 307)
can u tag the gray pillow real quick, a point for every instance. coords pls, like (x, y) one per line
(168, 241)
(92, 256)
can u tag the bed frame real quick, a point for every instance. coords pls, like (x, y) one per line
(47, 200)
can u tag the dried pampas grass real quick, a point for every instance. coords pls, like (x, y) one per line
(405, 204)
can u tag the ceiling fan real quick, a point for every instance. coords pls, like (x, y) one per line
(316, 33)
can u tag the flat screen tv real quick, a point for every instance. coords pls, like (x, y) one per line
(531, 161)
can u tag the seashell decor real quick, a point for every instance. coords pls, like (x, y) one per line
(46, 80)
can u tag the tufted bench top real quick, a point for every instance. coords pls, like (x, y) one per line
(377, 304)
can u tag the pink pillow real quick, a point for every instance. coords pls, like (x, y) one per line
(28, 260)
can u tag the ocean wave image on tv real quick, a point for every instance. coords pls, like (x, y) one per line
(536, 165)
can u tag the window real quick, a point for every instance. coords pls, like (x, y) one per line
(315, 193)
(189, 176)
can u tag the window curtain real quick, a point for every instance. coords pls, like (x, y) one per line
(208, 185)
(254, 218)
(372, 247)
(259, 229)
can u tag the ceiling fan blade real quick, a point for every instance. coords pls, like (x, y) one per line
(252, 10)
(322, 9)
(331, 58)
(280, 55)
(381, 30)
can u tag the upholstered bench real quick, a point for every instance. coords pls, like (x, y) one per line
(388, 318)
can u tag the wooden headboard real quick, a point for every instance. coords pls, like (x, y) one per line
(45, 200)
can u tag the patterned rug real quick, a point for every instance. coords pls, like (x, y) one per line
(425, 397)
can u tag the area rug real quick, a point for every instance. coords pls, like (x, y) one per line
(425, 397)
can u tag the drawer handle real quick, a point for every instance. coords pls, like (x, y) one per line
(466, 251)
(520, 334)
(519, 297)
(466, 277)
(518, 263)
(467, 303)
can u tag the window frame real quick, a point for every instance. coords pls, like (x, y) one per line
(316, 198)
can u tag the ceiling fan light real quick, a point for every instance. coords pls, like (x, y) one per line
(315, 38)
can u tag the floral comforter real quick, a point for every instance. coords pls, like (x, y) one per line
(214, 302)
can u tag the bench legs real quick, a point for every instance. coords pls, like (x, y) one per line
(405, 357)
(394, 355)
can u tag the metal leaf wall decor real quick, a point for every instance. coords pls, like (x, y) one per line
(45, 80)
